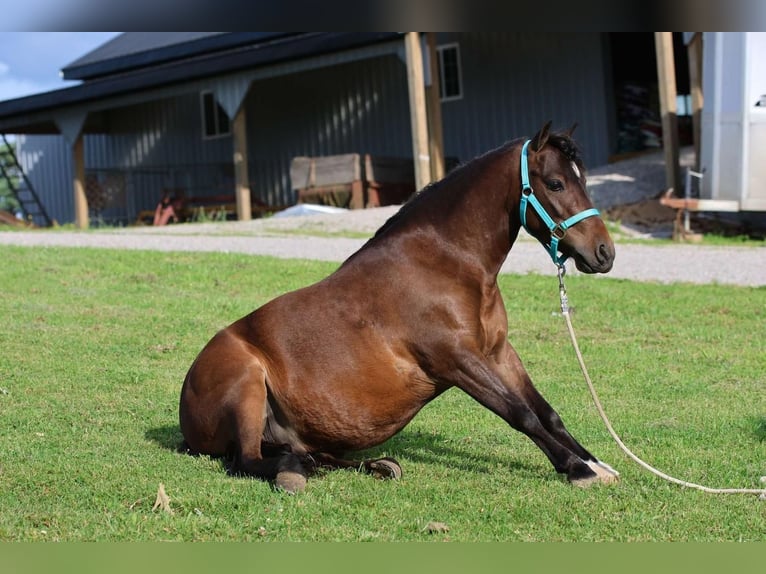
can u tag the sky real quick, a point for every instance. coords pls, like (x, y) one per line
(30, 61)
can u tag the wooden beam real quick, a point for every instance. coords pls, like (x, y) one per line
(434, 109)
(694, 52)
(80, 200)
(695, 204)
(666, 77)
(241, 180)
(418, 115)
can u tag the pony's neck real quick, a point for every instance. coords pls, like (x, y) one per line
(484, 206)
(474, 210)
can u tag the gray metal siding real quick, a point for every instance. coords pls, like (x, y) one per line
(149, 147)
(160, 144)
(48, 165)
(361, 106)
(513, 82)
(358, 107)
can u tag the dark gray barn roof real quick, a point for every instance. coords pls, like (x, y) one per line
(140, 62)
(133, 50)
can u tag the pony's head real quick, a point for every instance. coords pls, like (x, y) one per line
(555, 207)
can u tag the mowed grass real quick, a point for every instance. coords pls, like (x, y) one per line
(94, 345)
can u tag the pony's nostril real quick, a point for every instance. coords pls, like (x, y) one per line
(604, 253)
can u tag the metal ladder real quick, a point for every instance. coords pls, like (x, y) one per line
(21, 188)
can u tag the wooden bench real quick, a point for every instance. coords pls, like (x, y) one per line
(352, 180)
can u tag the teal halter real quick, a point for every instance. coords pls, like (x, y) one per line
(558, 231)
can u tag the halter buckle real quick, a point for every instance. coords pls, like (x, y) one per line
(558, 231)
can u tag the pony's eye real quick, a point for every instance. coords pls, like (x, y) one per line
(554, 185)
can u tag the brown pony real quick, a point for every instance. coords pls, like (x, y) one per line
(346, 363)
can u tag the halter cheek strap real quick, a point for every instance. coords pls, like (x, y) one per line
(558, 230)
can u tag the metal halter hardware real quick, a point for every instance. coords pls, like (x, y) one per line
(558, 230)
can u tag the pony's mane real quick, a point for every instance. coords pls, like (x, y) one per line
(566, 145)
(560, 140)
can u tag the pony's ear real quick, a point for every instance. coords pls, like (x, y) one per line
(541, 137)
(571, 130)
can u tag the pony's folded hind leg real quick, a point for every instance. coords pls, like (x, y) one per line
(286, 471)
(281, 465)
(384, 468)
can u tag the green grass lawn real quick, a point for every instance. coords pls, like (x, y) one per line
(95, 344)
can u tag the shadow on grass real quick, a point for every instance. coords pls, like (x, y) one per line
(413, 446)
(435, 449)
(168, 437)
(759, 426)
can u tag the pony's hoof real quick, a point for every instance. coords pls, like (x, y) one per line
(385, 468)
(602, 474)
(291, 482)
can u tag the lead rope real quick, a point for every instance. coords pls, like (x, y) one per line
(625, 449)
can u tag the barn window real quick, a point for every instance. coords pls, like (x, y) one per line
(450, 74)
(215, 122)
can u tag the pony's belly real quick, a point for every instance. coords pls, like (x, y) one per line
(345, 416)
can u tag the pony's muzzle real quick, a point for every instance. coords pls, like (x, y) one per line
(604, 257)
(600, 260)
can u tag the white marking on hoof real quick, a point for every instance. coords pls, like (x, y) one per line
(605, 474)
(607, 468)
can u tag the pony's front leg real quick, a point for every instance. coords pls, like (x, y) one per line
(551, 421)
(502, 385)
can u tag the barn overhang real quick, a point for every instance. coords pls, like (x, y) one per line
(229, 74)
(220, 71)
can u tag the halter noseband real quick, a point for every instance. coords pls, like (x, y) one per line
(558, 230)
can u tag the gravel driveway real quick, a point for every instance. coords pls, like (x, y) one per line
(289, 237)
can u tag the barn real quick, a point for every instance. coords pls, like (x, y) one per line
(222, 117)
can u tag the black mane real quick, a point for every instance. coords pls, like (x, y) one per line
(566, 145)
(560, 140)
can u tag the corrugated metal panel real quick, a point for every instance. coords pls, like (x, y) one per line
(160, 145)
(48, 165)
(150, 147)
(357, 107)
(513, 82)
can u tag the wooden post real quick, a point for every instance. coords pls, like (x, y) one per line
(418, 116)
(80, 200)
(357, 195)
(666, 76)
(242, 182)
(434, 108)
(694, 51)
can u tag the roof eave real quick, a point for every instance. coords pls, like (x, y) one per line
(128, 62)
(42, 105)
